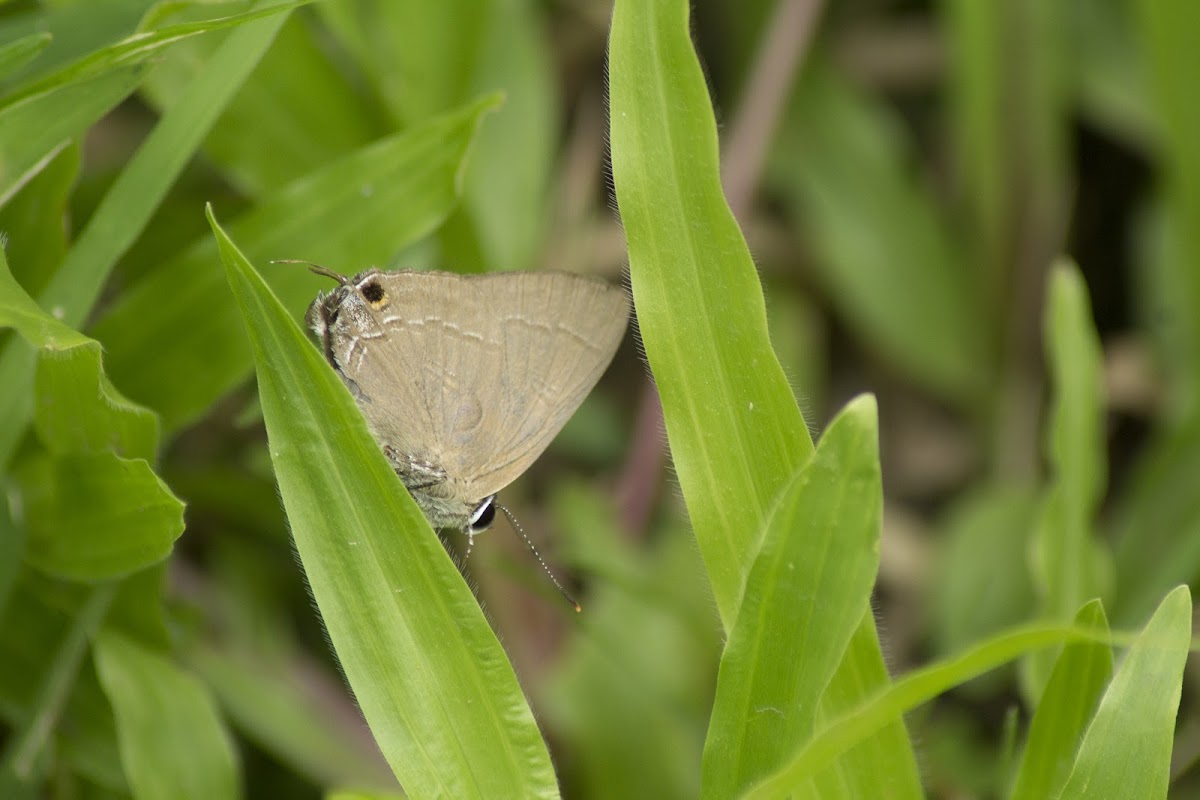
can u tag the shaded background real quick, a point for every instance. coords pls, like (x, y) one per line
(905, 174)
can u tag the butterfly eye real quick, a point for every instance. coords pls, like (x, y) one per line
(373, 293)
(483, 516)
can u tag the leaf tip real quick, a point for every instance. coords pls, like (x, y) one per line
(864, 409)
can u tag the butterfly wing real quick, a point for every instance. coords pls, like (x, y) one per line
(475, 375)
(558, 332)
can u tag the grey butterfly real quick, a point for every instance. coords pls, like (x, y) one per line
(465, 379)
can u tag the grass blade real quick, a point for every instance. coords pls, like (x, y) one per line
(805, 596)
(428, 673)
(1069, 566)
(1082, 671)
(735, 431)
(133, 198)
(1126, 751)
(858, 724)
(173, 743)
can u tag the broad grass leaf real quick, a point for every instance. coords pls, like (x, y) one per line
(19, 52)
(134, 49)
(427, 671)
(1065, 709)
(855, 725)
(805, 596)
(174, 745)
(888, 260)
(141, 185)
(1126, 751)
(300, 105)
(32, 133)
(96, 516)
(735, 431)
(427, 58)
(1069, 564)
(33, 220)
(1168, 33)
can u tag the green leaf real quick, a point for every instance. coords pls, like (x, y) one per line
(506, 188)
(431, 71)
(144, 181)
(18, 53)
(138, 610)
(32, 133)
(173, 743)
(983, 577)
(24, 750)
(78, 409)
(453, 722)
(1068, 566)
(1080, 675)
(425, 58)
(348, 795)
(856, 725)
(735, 431)
(805, 596)
(906, 289)
(96, 516)
(76, 30)
(137, 192)
(277, 102)
(1169, 34)
(174, 340)
(41, 614)
(1126, 751)
(134, 49)
(975, 93)
(1011, 131)
(33, 220)
(41, 330)
(882, 765)
(279, 707)
(90, 514)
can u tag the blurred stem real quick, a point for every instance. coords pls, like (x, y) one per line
(785, 40)
(27, 745)
(642, 473)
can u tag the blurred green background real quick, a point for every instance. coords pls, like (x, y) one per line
(905, 174)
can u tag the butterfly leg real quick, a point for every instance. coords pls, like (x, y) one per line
(417, 475)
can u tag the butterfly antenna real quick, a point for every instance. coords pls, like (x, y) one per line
(521, 532)
(317, 268)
